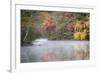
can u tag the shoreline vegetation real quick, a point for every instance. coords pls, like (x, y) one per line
(54, 26)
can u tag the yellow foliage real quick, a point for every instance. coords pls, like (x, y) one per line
(87, 24)
(78, 26)
(82, 35)
(79, 35)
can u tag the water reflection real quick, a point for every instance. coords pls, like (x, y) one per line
(55, 51)
(81, 51)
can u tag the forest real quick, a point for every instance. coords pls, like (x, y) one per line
(54, 25)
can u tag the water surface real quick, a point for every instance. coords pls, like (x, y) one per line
(64, 50)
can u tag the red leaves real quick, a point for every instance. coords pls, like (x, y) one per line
(70, 26)
(48, 24)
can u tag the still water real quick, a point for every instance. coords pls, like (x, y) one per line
(64, 50)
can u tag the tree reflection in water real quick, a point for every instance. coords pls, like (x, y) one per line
(56, 51)
(81, 51)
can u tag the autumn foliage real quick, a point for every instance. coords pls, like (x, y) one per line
(54, 25)
(48, 24)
